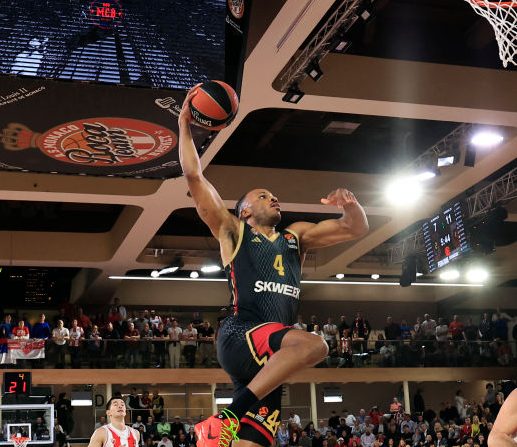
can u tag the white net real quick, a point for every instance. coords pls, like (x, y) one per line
(502, 15)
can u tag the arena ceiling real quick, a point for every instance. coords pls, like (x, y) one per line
(406, 86)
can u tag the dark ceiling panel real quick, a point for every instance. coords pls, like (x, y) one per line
(439, 31)
(186, 222)
(18, 215)
(294, 139)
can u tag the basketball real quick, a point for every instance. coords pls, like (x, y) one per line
(215, 105)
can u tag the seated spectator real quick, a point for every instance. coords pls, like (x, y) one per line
(304, 440)
(163, 428)
(177, 427)
(165, 441)
(388, 354)
(367, 438)
(282, 435)
(191, 436)
(150, 428)
(300, 324)
(181, 440)
(102, 421)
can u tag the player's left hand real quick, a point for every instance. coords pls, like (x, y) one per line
(342, 198)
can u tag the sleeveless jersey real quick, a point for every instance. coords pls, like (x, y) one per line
(264, 276)
(118, 438)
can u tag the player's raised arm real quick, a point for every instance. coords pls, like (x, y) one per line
(351, 225)
(505, 426)
(209, 204)
(98, 438)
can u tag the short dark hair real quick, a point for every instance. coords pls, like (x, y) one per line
(108, 404)
(238, 205)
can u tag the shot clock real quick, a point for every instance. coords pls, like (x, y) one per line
(17, 382)
(445, 238)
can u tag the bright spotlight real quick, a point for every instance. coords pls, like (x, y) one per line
(194, 274)
(486, 139)
(425, 175)
(210, 268)
(375, 276)
(404, 192)
(155, 273)
(418, 274)
(340, 275)
(449, 275)
(477, 274)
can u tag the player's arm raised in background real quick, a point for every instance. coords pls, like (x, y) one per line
(505, 426)
(209, 204)
(353, 224)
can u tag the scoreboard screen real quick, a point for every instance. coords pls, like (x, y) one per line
(17, 382)
(445, 237)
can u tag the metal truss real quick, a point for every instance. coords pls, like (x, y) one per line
(498, 192)
(343, 17)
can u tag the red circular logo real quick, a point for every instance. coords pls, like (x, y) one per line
(447, 251)
(263, 411)
(107, 142)
(236, 8)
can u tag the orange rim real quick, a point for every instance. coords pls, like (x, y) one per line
(494, 4)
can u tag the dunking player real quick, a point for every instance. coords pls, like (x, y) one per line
(116, 433)
(504, 432)
(256, 345)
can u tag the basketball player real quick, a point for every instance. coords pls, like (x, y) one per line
(504, 432)
(116, 433)
(257, 346)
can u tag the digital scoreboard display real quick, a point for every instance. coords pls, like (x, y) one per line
(17, 382)
(445, 238)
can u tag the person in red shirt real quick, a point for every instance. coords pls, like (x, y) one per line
(456, 328)
(21, 331)
(83, 320)
(466, 429)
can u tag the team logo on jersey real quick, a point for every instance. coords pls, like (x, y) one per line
(256, 239)
(263, 411)
(291, 240)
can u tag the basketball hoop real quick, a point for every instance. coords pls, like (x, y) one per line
(502, 15)
(20, 441)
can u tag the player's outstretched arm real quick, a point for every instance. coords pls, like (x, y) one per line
(98, 438)
(351, 225)
(505, 426)
(209, 204)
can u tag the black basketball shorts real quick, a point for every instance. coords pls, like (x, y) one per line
(243, 348)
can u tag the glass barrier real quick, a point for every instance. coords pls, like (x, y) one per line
(151, 353)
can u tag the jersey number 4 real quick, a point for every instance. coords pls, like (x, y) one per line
(278, 265)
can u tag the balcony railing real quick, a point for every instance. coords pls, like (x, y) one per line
(159, 353)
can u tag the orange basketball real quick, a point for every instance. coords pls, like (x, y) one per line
(215, 105)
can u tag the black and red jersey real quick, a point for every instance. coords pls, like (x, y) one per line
(264, 276)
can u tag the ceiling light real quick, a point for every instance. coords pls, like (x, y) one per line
(486, 139)
(404, 191)
(314, 70)
(477, 274)
(449, 275)
(426, 175)
(340, 275)
(194, 274)
(155, 273)
(447, 160)
(418, 274)
(293, 94)
(210, 268)
(168, 270)
(332, 395)
(223, 396)
(375, 276)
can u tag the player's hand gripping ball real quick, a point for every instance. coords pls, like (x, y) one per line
(214, 105)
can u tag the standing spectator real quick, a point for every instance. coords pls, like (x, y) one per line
(343, 325)
(333, 420)
(159, 337)
(441, 330)
(345, 351)
(7, 325)
(460, 404)
(417, 329)
(140, 321)
(470, 331)
(405, 330)
(313, 322)
(428, 327)
(175, 333)
(456, 328)
(361, 331)
(134, 405)
(500, 327)
(206, 336)
(330, 332)
(83, 320)
(75, 343)
(64, 413)
(41, 329)
(300, 324)
(60, 337)
(94, 347)
(111, 344)
(63, 317)
(131, 345)
(294, 419)
(146, 335)
(21, 331)
(154, 319)
(486, 328)
(392, 330)
(157, 406)
(489, 395)
(395, 406)
(190, 338)
(118, 310)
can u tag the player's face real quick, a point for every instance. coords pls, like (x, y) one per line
(117, 408)
(263, 206)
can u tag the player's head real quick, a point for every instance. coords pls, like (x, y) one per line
(116, 407)
(259, 204)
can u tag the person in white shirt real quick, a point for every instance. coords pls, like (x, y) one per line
(154, 319)
(367, 438)
(300, 324)
(330, 331)
(349, 419)
(175, 343)
(504, 432)
(294, 419)
(165, 442)
(442, 330)
(60, 336)
(190, 337)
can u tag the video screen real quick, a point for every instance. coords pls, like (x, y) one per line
(150, 43)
